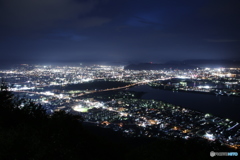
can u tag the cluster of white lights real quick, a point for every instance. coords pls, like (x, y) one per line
(210, 136)
(205, 87)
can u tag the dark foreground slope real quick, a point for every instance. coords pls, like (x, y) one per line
(27, 132)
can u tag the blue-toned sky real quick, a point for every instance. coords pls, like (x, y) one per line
(45, 31)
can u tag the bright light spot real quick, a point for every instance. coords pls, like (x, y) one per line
(80, 108)
(209, 136)
(87, 80)
(205, 87)
(60, 95)
(207, 115)
(49, 93)
(183, 77)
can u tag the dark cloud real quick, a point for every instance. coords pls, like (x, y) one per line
(92, 21)
(48, 13)
(221, 9)
(221, 40)
(146, 21)
(119, 30)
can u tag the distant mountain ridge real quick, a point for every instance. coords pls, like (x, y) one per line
(187, 64)
(155, 66)
(214, 63)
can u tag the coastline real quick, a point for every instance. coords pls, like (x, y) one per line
(195, 92)
(205, 103)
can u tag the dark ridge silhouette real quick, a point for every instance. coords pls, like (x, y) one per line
(156, 66)
(186, 64)
(213, 63)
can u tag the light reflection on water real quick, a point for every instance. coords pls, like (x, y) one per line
(222, 106)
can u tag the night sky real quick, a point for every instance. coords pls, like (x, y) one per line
(65, 31)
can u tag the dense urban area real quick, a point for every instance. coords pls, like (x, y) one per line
(99, 94)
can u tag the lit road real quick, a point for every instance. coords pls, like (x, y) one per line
(94, 91)
(124, 87)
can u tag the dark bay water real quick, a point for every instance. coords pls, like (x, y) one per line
(222, 106)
